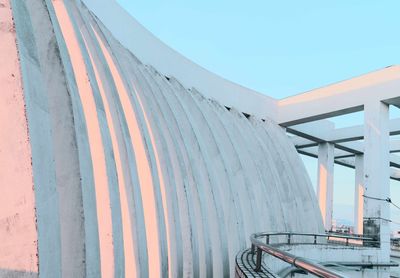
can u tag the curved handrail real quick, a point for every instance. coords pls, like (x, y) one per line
(316, 236)
(298, 262)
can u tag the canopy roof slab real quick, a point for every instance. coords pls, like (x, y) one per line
(325, 131)
(341, 98)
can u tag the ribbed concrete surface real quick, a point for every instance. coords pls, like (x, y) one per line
(246, 263)
(133, 174)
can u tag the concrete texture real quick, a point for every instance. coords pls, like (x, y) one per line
(133, 174)
(18, 235)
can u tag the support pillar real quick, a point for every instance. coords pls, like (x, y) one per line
(358, 194)
(377, 174)
(325, 182)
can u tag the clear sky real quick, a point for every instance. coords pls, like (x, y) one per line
(282, 48)
(278, 47)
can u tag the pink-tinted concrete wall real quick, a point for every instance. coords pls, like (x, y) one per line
(132, 174)
(18, 236)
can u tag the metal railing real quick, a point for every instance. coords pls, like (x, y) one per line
(259, 246)
(395, 243)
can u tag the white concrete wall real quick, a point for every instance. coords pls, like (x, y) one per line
(133, 174)
(326, 160)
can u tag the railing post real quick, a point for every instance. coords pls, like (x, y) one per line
(315, 239)
(267, 239)
(347, 241)
(288, 238)
(258, 262)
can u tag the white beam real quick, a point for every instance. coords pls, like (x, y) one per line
(341, 98)
(347, 134)
(301, 142)
(316, 131)
(349, 162)
(325, 130)
(325, 182)
(354, 147)
(337, 152)
(395, 173)
(357, 132)
(394, 146)
(394, 160)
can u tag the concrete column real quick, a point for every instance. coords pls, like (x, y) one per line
(325, 182)
(358, 194)
(377, 174)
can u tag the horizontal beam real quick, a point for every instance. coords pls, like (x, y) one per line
(350, 163)
(325, 131)
(338, 152)
(395, 174)
(302, 143)
(394, 146)
(341, 98)
(357, 132)
(347, 153)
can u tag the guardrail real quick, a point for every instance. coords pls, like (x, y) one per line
(299, 262)
(395, 243)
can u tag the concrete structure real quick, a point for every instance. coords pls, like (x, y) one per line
(325, 182)
(358, 194)
(110, 166)
(125, 171)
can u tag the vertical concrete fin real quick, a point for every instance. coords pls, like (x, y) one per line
(44, 177)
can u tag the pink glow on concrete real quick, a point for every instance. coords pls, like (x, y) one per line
(161, 179)
(18, 235)
(130, 265)
(143, 169)
(343, 87)
(360, 208)
(322, 191)
(95, 141)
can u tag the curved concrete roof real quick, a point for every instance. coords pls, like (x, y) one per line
(126, 172)
(150, 50)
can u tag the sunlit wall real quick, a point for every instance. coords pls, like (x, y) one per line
(111, 169)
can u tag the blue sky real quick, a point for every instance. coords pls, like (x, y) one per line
(282, 48)
(278, 47)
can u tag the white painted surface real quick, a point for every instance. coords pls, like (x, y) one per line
(18, 234)
(342, 97)
(376, 169)
(358, 194)
(149, 50)
(325, 182)
(179, 171)
(142, 177)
